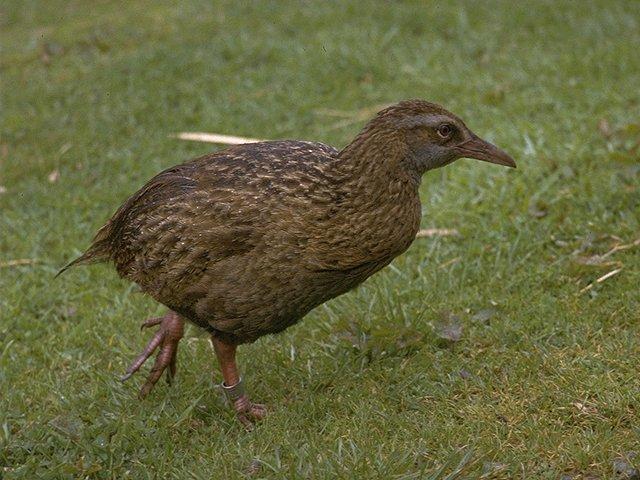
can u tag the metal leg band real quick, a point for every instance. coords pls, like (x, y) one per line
(233, 392)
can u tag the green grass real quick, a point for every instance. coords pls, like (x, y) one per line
(363, 387)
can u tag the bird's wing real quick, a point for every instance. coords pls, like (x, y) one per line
(191, 216)
(183, 219)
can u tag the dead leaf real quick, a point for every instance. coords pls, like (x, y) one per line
(596, 261)
(538, 210)
(254, 468)
(449, 328)
(53, 48)
(54, 176)
(591, 260)
(68, 311)
(70, 426)
(605, 128)
(585, 408)
(3, 189)
(408, 340)
(490, 468)
(484, 315)
(624, 468)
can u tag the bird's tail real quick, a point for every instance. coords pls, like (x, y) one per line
(92, 255)
(99, 251)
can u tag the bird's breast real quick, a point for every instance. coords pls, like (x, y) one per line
(371, 233)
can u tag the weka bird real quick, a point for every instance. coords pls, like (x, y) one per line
(246, 241)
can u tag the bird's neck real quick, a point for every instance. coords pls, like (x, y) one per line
(376, 211)
(376, 158)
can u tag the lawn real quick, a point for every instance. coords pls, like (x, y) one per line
(494, 353)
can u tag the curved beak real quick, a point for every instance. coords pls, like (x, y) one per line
(482, 150)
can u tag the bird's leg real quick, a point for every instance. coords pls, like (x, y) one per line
(167, 337)
(247, 411)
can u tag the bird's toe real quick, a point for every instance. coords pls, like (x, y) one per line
(166, 339)
(249, 413)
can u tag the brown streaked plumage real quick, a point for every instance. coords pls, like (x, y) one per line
(246, 241)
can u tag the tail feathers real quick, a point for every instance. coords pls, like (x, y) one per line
(94, 254)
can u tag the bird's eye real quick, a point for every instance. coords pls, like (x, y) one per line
(445, 130)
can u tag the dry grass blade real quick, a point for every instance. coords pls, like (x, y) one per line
(215, 138)
(450, 262)
(18, 262)
(617, 248)
(602, 279)
(349, 118)
(437, 232)
(331, 112)
(608, 275)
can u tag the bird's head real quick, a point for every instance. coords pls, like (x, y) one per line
(426, 136)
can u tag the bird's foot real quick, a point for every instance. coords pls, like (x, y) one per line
(248, 412)
(167, 338)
